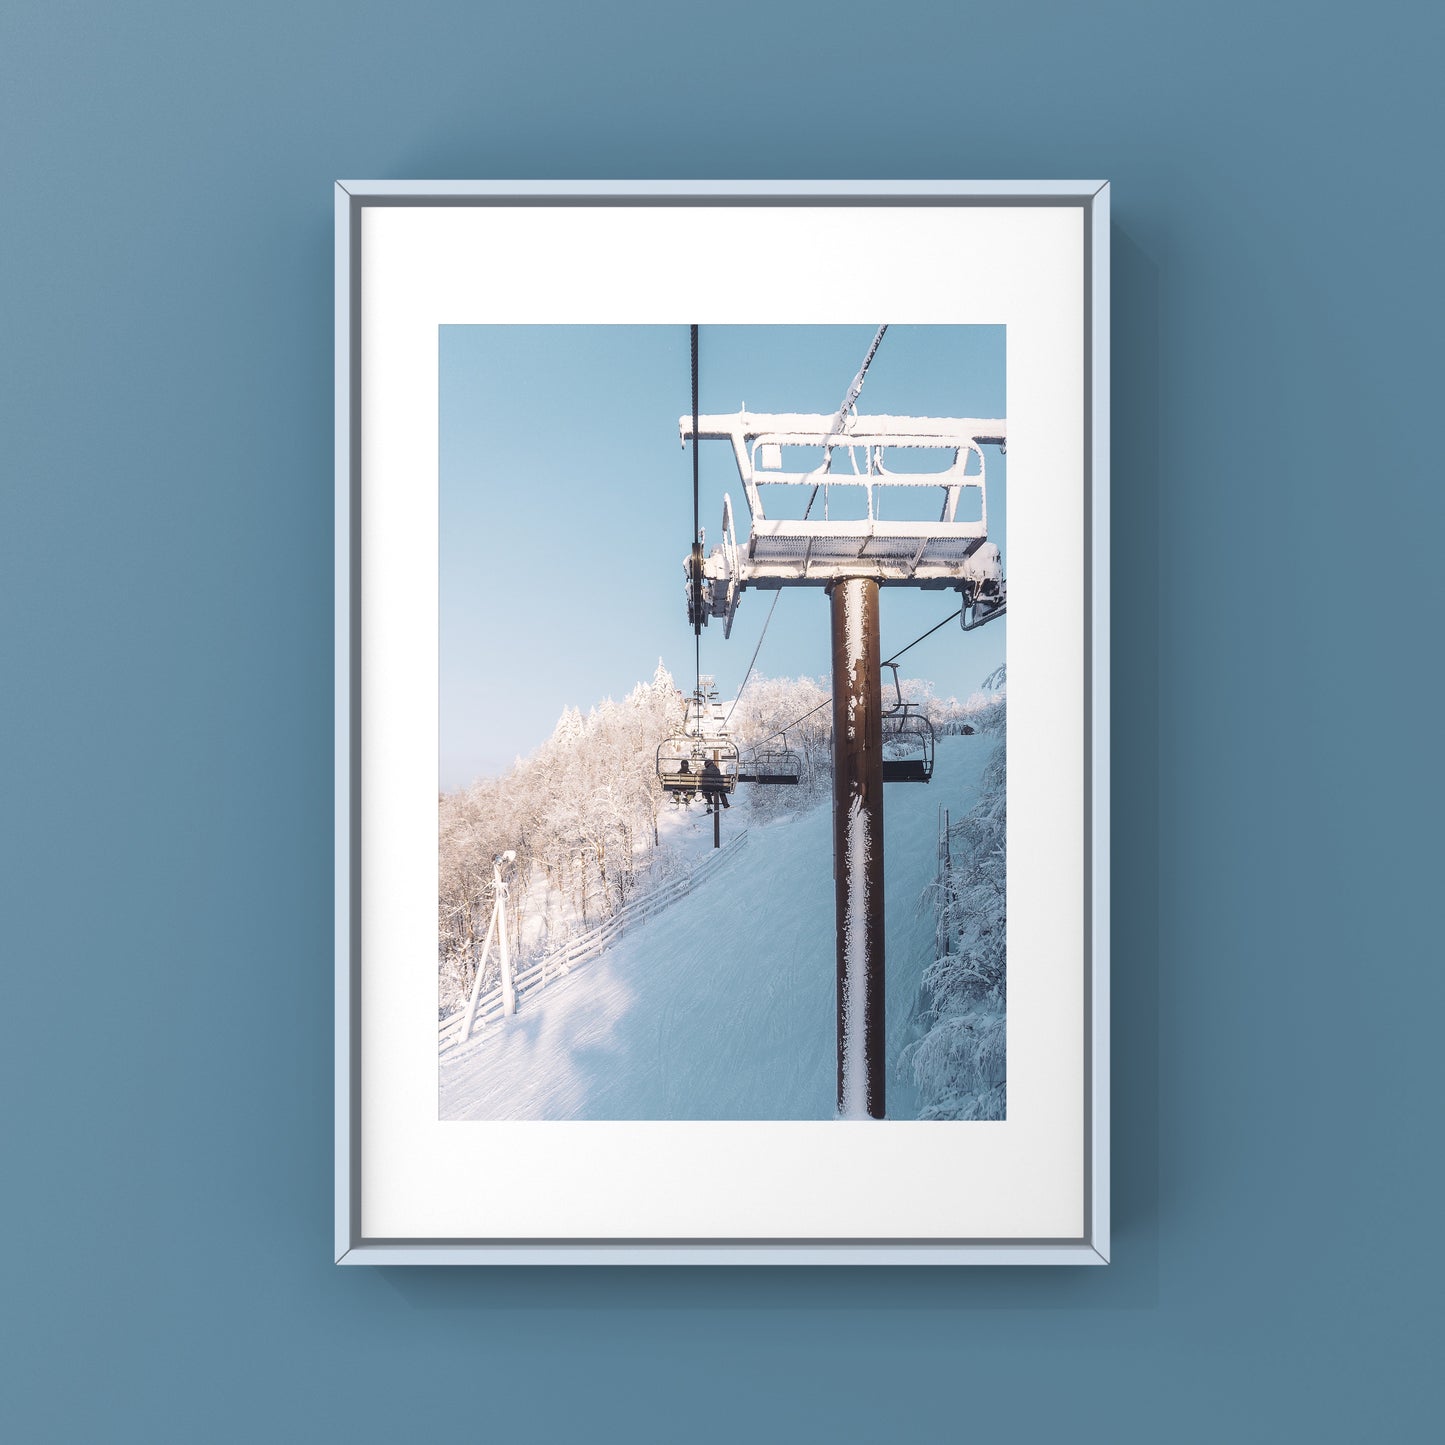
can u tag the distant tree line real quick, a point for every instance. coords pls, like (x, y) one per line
(582, 810)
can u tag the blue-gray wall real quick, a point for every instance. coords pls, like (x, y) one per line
(165, 600)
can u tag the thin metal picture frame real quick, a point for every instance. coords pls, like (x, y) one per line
(352, 198)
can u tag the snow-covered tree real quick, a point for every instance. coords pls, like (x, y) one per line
(958, 1059)
(580, 812)
(789, 713)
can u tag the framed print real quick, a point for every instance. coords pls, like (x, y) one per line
(722, 677)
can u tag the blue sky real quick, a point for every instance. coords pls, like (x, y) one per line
(566, 511)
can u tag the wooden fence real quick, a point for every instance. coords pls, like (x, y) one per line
(559, 962)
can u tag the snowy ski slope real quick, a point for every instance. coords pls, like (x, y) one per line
(722, 1006)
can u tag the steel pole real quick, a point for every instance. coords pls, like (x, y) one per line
(858, 846)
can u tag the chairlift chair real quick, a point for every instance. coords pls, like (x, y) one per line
(775, 765)
(908, 741)
(688, 766)
(697, 759)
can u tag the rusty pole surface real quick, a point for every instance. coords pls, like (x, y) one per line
(858, 846)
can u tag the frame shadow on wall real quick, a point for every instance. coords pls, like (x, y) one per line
(1131, 1280)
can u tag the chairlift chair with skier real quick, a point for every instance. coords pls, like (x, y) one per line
(699, 759)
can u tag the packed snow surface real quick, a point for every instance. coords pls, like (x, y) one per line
(854, 1098)
(723, 1006)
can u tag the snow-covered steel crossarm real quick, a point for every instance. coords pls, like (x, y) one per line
(815, 428)
(854, 454)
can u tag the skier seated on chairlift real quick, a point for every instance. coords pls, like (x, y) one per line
(679, 795)
(712, 785)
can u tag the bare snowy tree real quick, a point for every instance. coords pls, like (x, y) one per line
(575, 811)
(958, 1060)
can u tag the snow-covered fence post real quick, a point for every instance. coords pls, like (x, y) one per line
(477, 977)
(497, 927)
(575, 949)
(858, 846)
(509, 993)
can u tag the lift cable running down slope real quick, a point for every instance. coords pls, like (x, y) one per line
(849, 402)
(951, 616)
(698, 760)
(756, 650)
(921, 636)
(696, 529)
(841, 415)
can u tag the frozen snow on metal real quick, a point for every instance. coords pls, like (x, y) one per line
(782, 552)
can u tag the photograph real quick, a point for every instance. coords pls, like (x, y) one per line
(722, 670)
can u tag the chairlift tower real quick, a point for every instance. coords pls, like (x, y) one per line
(857, 545)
